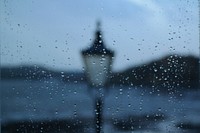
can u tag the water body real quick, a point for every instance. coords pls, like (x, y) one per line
(125, 108)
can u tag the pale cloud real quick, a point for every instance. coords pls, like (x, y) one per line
(148, 4)
(157, 14)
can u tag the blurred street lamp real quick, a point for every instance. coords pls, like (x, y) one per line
(98, 61)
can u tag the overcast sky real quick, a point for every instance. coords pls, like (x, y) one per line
(53, 32)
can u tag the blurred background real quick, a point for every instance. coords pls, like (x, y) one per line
(154, 85)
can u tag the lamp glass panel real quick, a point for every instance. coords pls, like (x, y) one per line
(97, 69)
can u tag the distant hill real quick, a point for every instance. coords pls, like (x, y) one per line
(36, 72)
(25, 72)
(169, 72)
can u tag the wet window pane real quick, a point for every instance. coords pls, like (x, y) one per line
(100, 66)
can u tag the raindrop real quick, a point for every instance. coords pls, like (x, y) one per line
(126, 78)
(63, 101)
(56, 112)
(121, 91)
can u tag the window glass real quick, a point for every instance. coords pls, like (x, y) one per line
(103, 65)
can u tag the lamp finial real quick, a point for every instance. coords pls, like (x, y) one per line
(98, 24)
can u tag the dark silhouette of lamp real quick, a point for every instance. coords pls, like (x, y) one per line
(98, 61)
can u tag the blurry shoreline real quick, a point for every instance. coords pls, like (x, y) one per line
(171, 71)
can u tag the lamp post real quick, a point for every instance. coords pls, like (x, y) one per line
(98, 61)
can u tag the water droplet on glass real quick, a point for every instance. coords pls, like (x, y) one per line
(56, 112)
(159, 109)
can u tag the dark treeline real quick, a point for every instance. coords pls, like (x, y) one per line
(168, 72)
